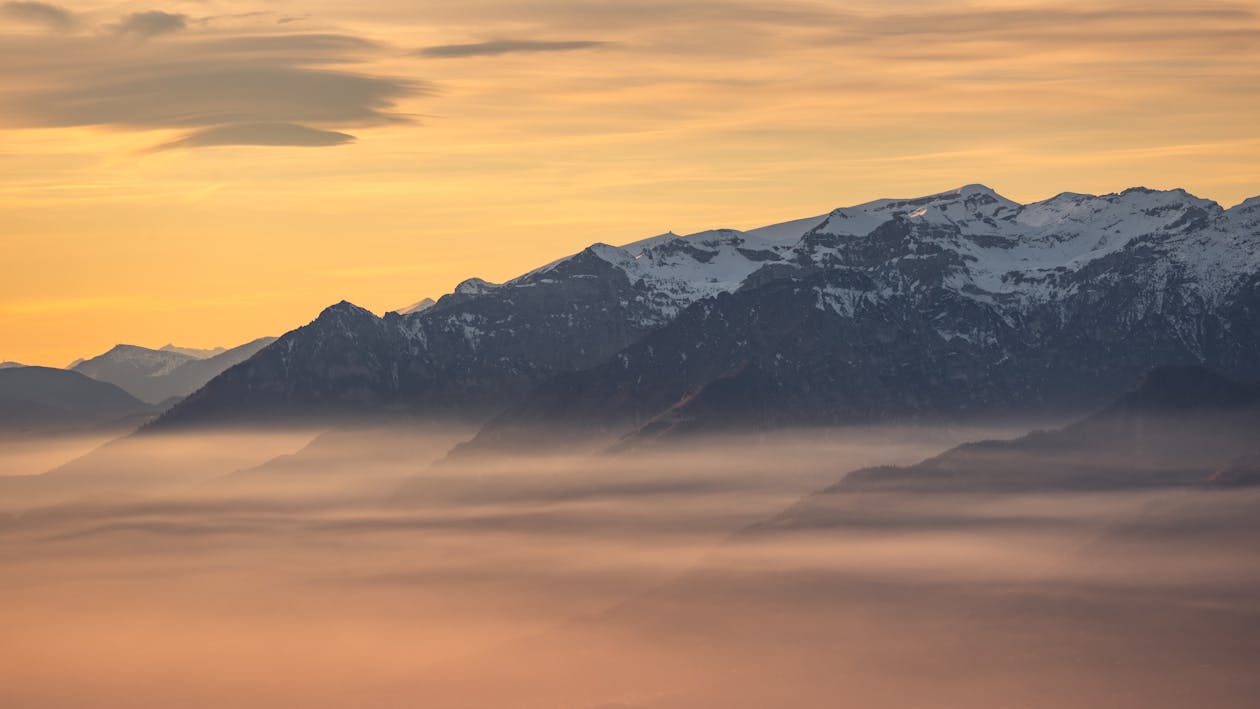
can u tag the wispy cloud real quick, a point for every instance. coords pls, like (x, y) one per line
(993, 30)
(499, 47)
(151, 23)
(274, 134)
(244, 89)
(39, 13)
(214, 92)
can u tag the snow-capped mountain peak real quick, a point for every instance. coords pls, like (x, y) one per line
(971, 206)
(1245, 214)
(153, 363)
(475, 286)
(637, 247)
(196, 352)
(970, 239)
(1138, 210)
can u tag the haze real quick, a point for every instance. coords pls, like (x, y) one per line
(341, 577)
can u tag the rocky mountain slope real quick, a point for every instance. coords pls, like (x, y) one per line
(956, 303)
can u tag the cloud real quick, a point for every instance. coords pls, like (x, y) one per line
(313, 47)
(1070, 27)
(742, 28)
(151, 23)
(494, 48)
(273, 134)
(583, 15)
(235, 89)
(213, 93)
(38, 13)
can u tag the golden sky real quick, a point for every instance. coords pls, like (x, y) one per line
(210, 171)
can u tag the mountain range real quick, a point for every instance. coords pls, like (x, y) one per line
(162, 375)
(1182, 427)
(957, 304)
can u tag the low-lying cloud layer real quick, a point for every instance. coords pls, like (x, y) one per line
(352, 574)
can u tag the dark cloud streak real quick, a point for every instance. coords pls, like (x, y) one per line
(260, 134)
(282, 89)
(39, 13)
(498, 47)
(1049, 24)
(151, 23)
(313, 48)
(208, 93)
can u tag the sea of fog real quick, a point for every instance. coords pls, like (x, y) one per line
(362, 568)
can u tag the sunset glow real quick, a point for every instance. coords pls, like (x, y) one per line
(443, 140)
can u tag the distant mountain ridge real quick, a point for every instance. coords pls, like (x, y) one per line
(156, 376)
(1181, 427)
(195, 352)
(955, 303)
(44, 399)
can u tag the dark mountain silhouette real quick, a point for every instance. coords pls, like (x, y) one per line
(43, 399)
(1183, 427)
(951, 305)
(465, 357)
(1243, 471)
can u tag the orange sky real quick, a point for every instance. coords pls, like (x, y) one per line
(490, 136)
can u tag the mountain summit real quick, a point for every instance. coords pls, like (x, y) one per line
(156, 376)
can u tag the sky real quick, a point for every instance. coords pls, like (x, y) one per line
(205, 172)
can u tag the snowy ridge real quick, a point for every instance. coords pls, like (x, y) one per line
(148, 362)
(994, 249)
(675, 271)
(194, 352)
(971, 207)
